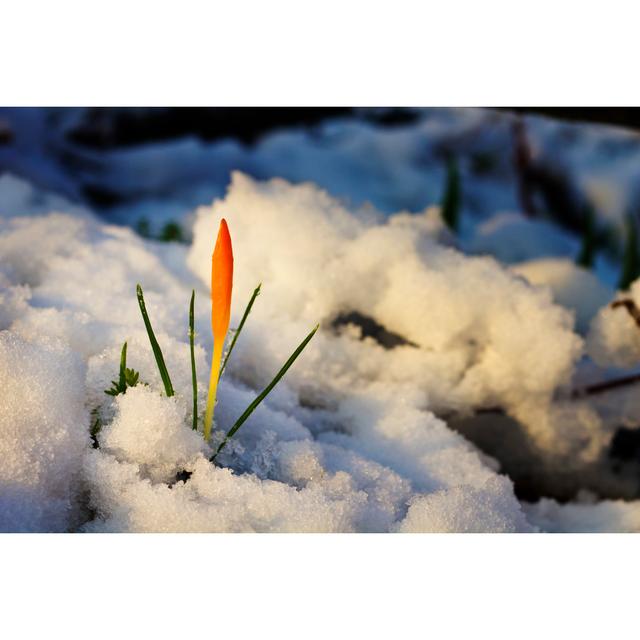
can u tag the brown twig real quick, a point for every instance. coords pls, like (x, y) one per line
(582, 392)
(616, 383)
(630, 306)
(607, 385)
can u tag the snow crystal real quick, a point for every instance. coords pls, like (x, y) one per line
(44, 433)
(213, 499)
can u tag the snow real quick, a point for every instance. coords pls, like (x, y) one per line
(512, 237)
(329, 262)
(43, 435)
(614, 339)
(347, 440)
(462, 509)
(571, 286)
(364, 433)
(148, 429)
(586, 516)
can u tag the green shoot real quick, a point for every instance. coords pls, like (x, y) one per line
(142, 228)
(96, 425)
(631, 258)
(194, 380)
(588, 250)
(171, 232)
(253, 406)
(131, 377)
(126, 378)
(451, 197)
(245, 315)
(157, 352)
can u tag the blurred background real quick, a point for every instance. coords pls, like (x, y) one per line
(574, 168)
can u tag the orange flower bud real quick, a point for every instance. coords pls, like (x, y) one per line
(221, 286)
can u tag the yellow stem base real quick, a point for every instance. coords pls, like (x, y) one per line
(213, 389)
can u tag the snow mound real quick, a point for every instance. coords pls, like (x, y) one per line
(571, 286)
(149, 430)
(19, 198)
(512, 237)
(614, 336)
(586, 516)
(467, 510)
(44, 432)
(212, 500)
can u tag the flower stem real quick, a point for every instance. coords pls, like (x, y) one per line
(213, 387)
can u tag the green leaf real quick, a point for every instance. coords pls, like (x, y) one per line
(157, 352)
(254, 405)
(587, 253)
(122, 381)
(119, 386)
(132, 377)
(631, 258)
(126, 377)
(236, 334)
(171, 232)
(451, 197)
(194, 379)
(142, 228)
(95, 430)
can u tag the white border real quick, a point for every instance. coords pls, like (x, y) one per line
(319, 586)
(285, 52)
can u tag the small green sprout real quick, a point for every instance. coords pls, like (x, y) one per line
(171, 232)
(96, 425)
(126, 378)
(143, 228)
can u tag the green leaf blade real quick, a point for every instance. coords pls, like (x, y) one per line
(122, 380)
(586, 257)
(245, 315)
(254, 405)
(194, 379)
(631, 258)
(451, 198)
(157, 352)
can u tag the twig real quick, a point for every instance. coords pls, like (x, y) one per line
(630, 306)
(607, 385)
